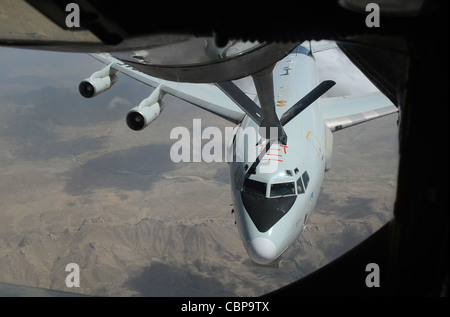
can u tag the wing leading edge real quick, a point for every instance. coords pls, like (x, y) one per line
(206, 96)
(346, 111)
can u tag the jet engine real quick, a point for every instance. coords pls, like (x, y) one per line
(98, 82)
(141, 116)
(148, 110)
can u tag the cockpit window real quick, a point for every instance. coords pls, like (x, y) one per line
(300, 188)
(282, 189)
(305, 177)
(254, 187)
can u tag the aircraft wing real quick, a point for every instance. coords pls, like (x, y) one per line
(346, 111)
(319, 46)
(206, 96)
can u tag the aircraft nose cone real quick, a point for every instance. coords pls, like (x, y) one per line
(262, 250)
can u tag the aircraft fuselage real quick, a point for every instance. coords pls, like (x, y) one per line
(274, 197)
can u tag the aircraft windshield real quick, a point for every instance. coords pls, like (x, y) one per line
(282, 189)
(254, 187)
(300, 188)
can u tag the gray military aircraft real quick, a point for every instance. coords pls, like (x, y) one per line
(276, 176)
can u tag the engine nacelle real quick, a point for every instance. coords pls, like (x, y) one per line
(98, 82)
(148, 110)
(141, 116)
